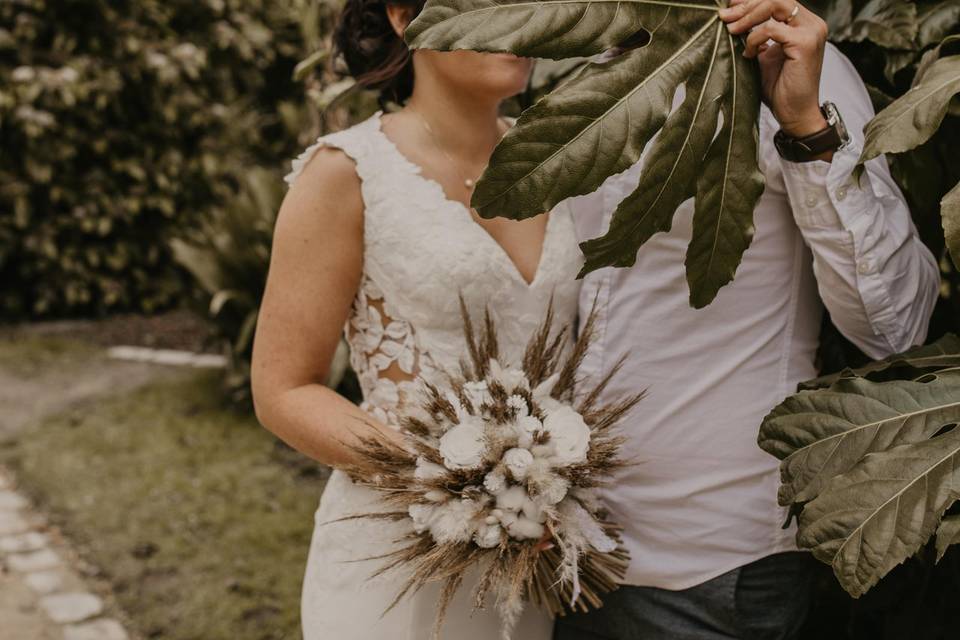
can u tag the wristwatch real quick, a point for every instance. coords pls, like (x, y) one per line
(809, 148)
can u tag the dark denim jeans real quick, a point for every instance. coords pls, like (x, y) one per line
(765, 600)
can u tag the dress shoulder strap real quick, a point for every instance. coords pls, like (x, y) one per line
(361, 142)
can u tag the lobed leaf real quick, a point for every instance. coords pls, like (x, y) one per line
(950, 214)
(821, 434)
(914, 117)
(941, 354)
(598, 123)
(948, 534)
(540, 28)
(867, 521)
(891, 24)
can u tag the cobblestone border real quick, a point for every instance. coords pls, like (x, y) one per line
(170, 357)
(27, 551)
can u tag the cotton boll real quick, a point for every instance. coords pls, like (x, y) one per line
(569, 435)
(488, 536)
(427, 470)
(533, 511)
(543, 451)
(517, 462)
(526, 529)
(507, 518)
(422, 516)
(512, 499)
(539, 471)
(462, 447)
(454, 521)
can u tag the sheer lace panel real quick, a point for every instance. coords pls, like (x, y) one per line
(384, 354)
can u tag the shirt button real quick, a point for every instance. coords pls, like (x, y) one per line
(841, 193)
(863, 267)
(812, 201)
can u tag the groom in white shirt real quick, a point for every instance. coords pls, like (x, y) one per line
(709, 559)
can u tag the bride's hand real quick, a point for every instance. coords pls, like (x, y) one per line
(546, 541)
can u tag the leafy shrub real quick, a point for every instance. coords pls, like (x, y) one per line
(121, 123)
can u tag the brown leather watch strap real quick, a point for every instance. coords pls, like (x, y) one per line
(809, 148)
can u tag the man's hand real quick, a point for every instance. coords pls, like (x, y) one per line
(791, 64)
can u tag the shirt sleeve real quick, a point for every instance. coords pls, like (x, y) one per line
(876, 278)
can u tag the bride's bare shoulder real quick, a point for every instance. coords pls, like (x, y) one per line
(327, 187)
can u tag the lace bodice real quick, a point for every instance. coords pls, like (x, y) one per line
(421, 251)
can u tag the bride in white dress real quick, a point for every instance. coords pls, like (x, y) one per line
(375, 235)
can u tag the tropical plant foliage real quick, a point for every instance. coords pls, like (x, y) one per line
(871, 467)
(869, 455)
(599, 122)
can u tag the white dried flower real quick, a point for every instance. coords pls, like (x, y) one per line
(569, 435)
(478, 393)
(551, 490)
(519, 405)
(526, 529)
(533, 511)
(422, 516)
(517, 461)
(524, 428)
(462, 447)
(427, 470)
(488, 536)
(511, 379)
(454, 521)
(495, 483)
(512, 499)
(506, 517)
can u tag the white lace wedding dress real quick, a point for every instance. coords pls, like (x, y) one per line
(421, 250)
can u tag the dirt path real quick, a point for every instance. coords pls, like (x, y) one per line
(43, 595)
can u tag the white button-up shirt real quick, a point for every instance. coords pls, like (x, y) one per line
(702, 497)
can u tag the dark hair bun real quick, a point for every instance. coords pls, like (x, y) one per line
(374, 54)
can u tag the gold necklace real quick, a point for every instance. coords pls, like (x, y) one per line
(469, 183)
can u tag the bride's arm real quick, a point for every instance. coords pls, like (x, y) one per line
(315, 270)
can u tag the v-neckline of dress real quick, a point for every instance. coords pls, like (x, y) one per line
(440, 193)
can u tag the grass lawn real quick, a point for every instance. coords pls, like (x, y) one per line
(197, 516)
(29, 356)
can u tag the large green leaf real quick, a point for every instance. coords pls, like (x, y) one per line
(821, 434)
(598, 123)
(937, 21)
(913, 118)
(838, 14)
(951, 223)
(942, 354)
(869, 520)
(889, 23)
(948, 534)
(539, 28)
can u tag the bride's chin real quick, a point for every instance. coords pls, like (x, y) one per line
(488, 74)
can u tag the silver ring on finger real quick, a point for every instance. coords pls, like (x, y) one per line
(793, 14)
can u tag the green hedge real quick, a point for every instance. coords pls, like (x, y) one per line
(122, 124)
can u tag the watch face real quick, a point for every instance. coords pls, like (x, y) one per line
(835, 120)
